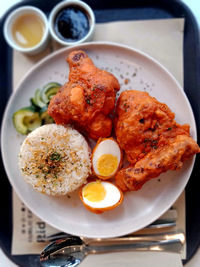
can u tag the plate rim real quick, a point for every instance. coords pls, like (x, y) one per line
(85, 46)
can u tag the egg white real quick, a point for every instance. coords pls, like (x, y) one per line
(106, 147)
(112, 197)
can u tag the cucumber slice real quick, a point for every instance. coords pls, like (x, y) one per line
(32, 100)
(49, 90)
(34, 104)
(26, 120)
(44, 109)
(46, 119)
(37, 99)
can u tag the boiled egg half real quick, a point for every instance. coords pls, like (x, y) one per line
(99, 196)
(106, 158)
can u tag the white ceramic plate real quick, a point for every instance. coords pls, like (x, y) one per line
(134, 70)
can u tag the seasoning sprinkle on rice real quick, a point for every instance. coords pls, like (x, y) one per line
(55, 159)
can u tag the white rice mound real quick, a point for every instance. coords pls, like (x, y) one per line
(55, 159)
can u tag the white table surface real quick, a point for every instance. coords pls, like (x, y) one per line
(195, 7)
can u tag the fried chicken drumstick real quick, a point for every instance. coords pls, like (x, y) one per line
(87, 99)
(151, 138)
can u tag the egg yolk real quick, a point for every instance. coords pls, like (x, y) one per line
(94, 192)
(107, 164)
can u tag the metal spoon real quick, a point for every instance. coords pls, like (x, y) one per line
(71, 251)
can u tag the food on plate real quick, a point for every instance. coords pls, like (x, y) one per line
(168, 157)
(153, 141)
(42, 97)
(29, 118)
(87, 99)
(99, 196)
(26, 120)
(46, 93)
(106, 158)
(55, 159)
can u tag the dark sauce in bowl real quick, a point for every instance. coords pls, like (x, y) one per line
(71, 24)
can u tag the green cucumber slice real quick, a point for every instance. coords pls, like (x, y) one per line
(46, 119)
(48, 91)
(33, 103)
(26, 120)
(37, 99)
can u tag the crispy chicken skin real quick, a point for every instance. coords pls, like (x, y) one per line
(87, 99)
(152, 140)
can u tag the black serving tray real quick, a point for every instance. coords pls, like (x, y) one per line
(105, 11)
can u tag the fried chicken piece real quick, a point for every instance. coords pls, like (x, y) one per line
(169, 157)
(87, 99)
(152, 140)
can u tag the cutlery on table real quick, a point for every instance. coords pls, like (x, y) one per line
(70, 251)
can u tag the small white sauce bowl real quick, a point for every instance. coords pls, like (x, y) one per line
(68, 3)
(9, 24)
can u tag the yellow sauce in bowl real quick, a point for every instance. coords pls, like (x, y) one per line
(28, 30)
